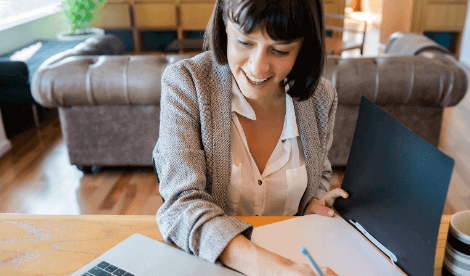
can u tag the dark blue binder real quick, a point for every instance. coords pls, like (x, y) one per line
(397, 184)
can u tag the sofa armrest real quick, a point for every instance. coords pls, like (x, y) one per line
(13, 73)
(414, 71)
(400, 43)
(395, 80)
(98, 45)
(100, 80)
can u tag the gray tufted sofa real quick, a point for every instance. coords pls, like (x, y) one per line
(109, 106)
(413, 82)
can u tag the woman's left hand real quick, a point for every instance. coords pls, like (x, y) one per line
(323, 205)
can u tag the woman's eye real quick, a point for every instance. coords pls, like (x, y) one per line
(243, 43)
(281, 53)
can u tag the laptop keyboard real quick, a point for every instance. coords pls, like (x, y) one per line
(106, 269)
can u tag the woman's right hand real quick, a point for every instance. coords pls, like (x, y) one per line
(302, 269)
(243, 255)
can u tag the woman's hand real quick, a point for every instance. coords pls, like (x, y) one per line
(323, 205)
(305, 269)
(244, 256)
(280, 266)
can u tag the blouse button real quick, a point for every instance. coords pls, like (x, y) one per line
(283, 140)
(260, 182)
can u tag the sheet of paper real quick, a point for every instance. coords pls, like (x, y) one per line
(331, 241)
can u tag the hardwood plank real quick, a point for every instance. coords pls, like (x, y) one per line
(103, 185)
(115, 193)
(122, 202)
(153, 202)
(152, 205)
(145, 183)
(458, 195)
(454, 142)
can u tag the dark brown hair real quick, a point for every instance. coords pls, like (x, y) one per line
(285, 20)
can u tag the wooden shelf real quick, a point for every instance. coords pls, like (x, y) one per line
(141, 16)
(421, 16)
(181, 16)
(155, 15)
(114, 16)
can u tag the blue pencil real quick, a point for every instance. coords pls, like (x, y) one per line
(304, 251)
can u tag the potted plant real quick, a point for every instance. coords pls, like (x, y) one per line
(78, 16)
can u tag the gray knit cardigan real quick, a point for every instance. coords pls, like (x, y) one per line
(193, 154)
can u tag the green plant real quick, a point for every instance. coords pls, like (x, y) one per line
(79, 13)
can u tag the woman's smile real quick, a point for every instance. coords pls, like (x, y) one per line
(255, 81)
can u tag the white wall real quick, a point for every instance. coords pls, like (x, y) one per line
(45, 28)
(374, 7)
(465, 46)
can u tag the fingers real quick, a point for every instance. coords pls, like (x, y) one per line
(323, 210)
(336, 193)
(331, 196)
(322, 206)
(317, 206)
(328, 272)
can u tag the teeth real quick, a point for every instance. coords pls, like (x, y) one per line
(255, 81)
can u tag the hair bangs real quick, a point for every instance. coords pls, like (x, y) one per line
(282, 20)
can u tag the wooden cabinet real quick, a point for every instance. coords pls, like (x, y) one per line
(155, 15)
(337, 7)
(423, 16)
(115, 16)
(195, 16)
(141, 17)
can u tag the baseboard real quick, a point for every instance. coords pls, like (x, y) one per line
(5, 146)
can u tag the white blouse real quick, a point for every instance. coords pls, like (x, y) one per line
(276, 192)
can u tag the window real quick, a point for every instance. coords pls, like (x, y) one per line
(18, 10)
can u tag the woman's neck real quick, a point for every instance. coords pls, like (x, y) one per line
(268, 105)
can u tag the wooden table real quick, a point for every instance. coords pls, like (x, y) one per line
(60, 245)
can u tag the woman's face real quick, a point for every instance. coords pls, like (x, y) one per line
(257, 62)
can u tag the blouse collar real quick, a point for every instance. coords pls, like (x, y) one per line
(241, 106)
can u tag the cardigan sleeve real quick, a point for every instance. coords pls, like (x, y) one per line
(188, 216)
(326, 172)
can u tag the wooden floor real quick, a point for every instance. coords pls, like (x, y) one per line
(37, 178)
(455, 142)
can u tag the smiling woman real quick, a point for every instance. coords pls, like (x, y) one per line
(245, 129)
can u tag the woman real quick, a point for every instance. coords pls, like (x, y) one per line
(245, 130)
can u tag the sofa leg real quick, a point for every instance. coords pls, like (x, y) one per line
(89, 169)
(84, 169)
(36, 118)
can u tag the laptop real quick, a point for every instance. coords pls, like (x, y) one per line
(139, 255)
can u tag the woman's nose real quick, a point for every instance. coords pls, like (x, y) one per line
(259, 64)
